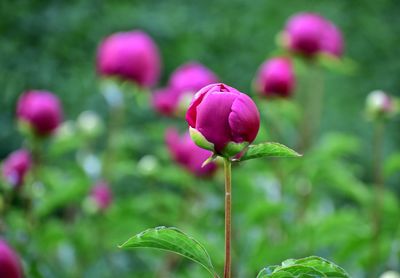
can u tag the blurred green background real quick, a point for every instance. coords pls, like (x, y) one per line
(52, 45)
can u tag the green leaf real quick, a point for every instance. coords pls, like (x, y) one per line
(268, 150)
(343, 65)
(310, 267)
(173, 240)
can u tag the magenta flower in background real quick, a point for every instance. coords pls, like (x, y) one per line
(332, 41)
(101, 194)
(221, 115)
(275, 78)
(183, 84)
(10, 265)
(130, 55)
(191, 77)
(186, 153)
(16, 166)
(304, 32)
(41, 110)
(165, 101)
(310, 34)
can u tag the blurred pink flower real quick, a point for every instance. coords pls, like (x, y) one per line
(186, 153)
(102, 195)
(10, 265)
(16, 166)
(130, 55)
(41, 110)
(275, 78)
(165, 101)
(184, 82)
(310, 34)
(332, 41)
(191, 77)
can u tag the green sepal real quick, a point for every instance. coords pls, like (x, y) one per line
(232, 149)
(200, 140)
(209, 160)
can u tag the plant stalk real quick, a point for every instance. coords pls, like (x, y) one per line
(228, 200)
(379, 187)
(312, 102)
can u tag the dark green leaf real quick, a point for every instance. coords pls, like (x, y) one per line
(269, 149)
(173, 240)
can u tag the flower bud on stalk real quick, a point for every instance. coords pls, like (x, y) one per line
(332, 41)
(191, 77)
(41, 110)
(223, 120)
(10, 266)
(130, 56)
(186, 153)
(379, 104)
(275, 78)
(16, 166)
(310, 34)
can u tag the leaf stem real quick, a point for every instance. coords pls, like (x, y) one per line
(228, 199)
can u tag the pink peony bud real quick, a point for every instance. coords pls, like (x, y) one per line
(186, 153)
(16, 166)
(10, 266)
(102, 195)
(332, 41)
(191, 77)
(310, 34)
(221, 115)
(275, 78)
(165, 101)
(130, 55)
(41, 110)
(304, 32)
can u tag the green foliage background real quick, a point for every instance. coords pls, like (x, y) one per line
(52, 45)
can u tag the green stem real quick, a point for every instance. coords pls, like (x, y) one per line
(116, 121)
(379, 189)
(37, 157)
(312, 102)
(228, 199)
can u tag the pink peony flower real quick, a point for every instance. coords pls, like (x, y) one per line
(102, 195)
(222, 114)
(130, 55)
(41, 110)
(16, 166)
(186, 153)
(10, 265)
(275, 78)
